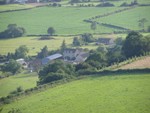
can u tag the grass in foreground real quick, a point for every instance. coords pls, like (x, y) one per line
(107, 94)
(10, 84)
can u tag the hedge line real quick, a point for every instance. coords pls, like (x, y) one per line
(8, 99)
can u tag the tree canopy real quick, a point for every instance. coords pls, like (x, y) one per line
(136, 44)
(51, 31)
(43, 53)
(12, 66)
(56, 71)
(12, 31)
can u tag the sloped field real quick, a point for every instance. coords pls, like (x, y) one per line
(139, 64)
(107, 94)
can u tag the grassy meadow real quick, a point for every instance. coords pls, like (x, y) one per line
(10, 84)
(65, 20)
(128, 19)
(107, 94)
(33, 43)
(14, 7)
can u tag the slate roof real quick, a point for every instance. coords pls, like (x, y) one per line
(54, 56)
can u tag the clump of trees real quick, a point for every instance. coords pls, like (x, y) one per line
(84, 39)
(56, 71)
(136, 44)
(12, 31)
(12, 66)
(133, 3)
(43, 53)
(20, 52)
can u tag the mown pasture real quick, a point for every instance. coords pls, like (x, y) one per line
(14, 7)
(33, 43)
(128, 19)
(95, 94)
(25, 80)
(65, 20)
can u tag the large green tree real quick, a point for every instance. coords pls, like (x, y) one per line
(21, 52)
(63, 46)
(12, 31)
(12, 66)
(56, 71)
(51, 31)
(43, 53)
(136, 44)
(76, 41)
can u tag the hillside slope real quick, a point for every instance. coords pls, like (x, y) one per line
(139, 64)
(107, 94)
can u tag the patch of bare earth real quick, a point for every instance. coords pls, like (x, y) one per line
(139, 64)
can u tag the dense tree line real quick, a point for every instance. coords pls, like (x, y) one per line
(136, 44)
(12, 31)
(56, 71)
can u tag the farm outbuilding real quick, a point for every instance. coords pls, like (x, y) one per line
(46, 60)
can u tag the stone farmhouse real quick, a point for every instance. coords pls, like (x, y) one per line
(75, 55)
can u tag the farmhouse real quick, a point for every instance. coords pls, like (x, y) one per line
(75, 55)
(46, 60)
(106, 41)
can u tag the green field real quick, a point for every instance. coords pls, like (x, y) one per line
(108, 94)
(33, 43)
(14, 7)
(10, 84)
(65, 20)
(128, 19)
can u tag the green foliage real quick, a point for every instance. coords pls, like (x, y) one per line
(12, 31)
(21, 52)
(76, 41)
(63, 46)
(115, 55)
(14, 111)
(51, 31)
(136, 45)
(56, 71)
(87, 37)
(12, 67)
(43, 53)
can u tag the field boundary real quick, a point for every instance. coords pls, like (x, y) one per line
(91, 20)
